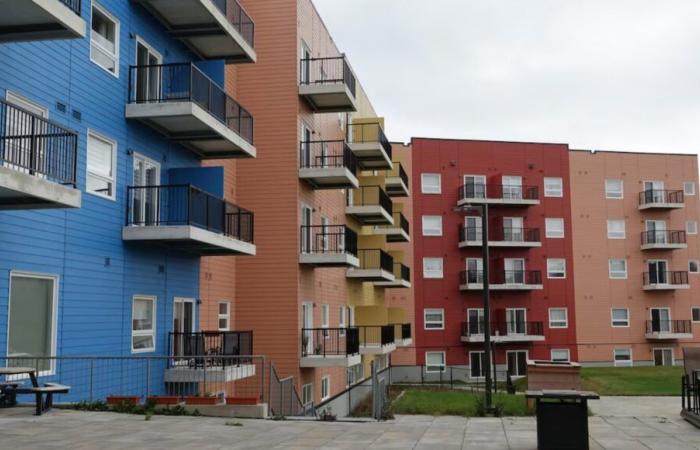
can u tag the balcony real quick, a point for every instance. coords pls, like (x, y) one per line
(402, 334)
(397, 231)
(328, 84)
(37, 161)
(660, 199)
(659, 330)
(185, 218)
(185, 105)
(209, 356)
(371, 146)
(34, 20)
(505, 280)
(396, 181)
(473, 332)
(665, 281)
(330, 347)
(377, 339)
(504, 237)
(498, 195)
(328, 165)
(402, 277)
(663, 240)
(328, 246)
(370, 205)
(212, 29)
(375, 265)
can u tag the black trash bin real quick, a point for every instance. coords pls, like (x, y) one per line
(562, 418)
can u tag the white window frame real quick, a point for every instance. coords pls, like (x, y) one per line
(440, 324)
(527, 356)
(686, 191)
(325, 387)
(612, 318)
(432, 190)
(697, 266)
(152, 332)
(653, 356)
(437, 230)
(551, 234)
(694, 225)
(549, 270)
(611, 233)
(629, 363)
(614, 195)
(556, 192)
(443, 365)
(226, 316)
(54, 318)
(307, 390)
(433, 274)
(692, 309)
(477, 352)
(113, 179)
(568, 354)
(610, 271)
(557, 323)
(117, 39)
(325, 315)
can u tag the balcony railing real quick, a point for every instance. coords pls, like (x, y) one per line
(669, 326)
(240, 20)
(398, 171)
(400, 221)
(371, 196)
(505, 234)
(517, 328)
(365, 133)
(665, 278)
(334, 70)
(37, 146)
(187, 205)
(663, 237)
(376, 259)
(184, 82)
(326, 154)
(660, 197)
(502, 277)
(330, 342)
(376, 336)
(512, 192)
(402, 331)
(328, 239)
(402, 272)
(197, 348)
(73, 5)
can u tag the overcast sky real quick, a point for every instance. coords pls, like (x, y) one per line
(597, 74)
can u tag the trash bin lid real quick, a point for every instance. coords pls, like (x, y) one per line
(562, 394)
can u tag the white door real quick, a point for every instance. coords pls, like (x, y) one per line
(306, 159)
(513, 229)
(654, 191)
(663, 357)
(660, 320)
(20, 129)
(512, 187)
(474, 186)
(183, 323)
(515, 270)
(307, 312)
(517, 362)
(305, 75)
(306, 229)
(472, 228)
(656, 231)
(657, 271)
(325, 229)
(475, 270)
(475, 320)
(516, 320)
(147, 75)
(144, 200)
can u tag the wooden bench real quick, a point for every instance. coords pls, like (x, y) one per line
(44, 395)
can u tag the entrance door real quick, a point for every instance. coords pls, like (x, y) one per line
(516, 321)
(472, 228)
(474, 186)
(183, 324)
(657, 272)
(475, 320)
(306, 230)
(306, 147)
(656, 231)
(513, 229)
(512, 187)
(148, 73)
(663, 357)
(144, 200)
(515, 271)
(307, 312)
(660, 320)
(517, 362)
(654, 191)
(475, 270)
(305, 75)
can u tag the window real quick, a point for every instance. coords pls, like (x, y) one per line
(432, 267)
(341, 317)
(434, 319)
(307, 394)
(691, 227)
(431, 183)
(432, 225)
(620, 317)
(695, 313)
(617, 269)
(476, 364)
(325, 315)
(101, 164)
(560, 355)
(616, 229)
(694, 266)
(558, 318)
(614, 189)
(434, 362)
(224, 316)
(32, 318)
(623, 356)
(517, 362)
(553, 187)
(355, 374)
(689, 188)
(104, 40)
(143, 326)
(556, 268)
(554, 228)
(325, 387)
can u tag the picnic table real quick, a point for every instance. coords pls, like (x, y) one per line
(43, 394)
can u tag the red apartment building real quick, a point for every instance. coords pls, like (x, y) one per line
(526, 187)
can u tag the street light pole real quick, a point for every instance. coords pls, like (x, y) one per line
(487, 303)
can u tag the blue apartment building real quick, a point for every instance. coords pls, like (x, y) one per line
(107, 110)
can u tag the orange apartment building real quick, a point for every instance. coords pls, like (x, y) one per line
(636, 253)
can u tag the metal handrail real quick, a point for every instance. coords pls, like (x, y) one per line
(328, 239)
(669, 326)
(374, 335)
(503, 277)
(505, 234)
(329, 70)
(189, 345)
(475, 191)
(371, 259)
(672, 277)
(330, 341)
(73, 5)
(371, 196)
(239, 18)
(501, 328)
(365, 133)
(663, 237)
(656, 196)
(326, 154)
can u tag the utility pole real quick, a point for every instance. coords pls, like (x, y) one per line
(487, 303)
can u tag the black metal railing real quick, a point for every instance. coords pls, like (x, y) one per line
(333, 70)
(663, 237)
(73, 5)
(505, 234)
(32, 144)
(365, 133)
(669, 326)
(371, 196)
(400, 221)
(660, 196)
(402, 331)
(326, 154)
(376, 335)
(402, 272)
(192, 348)
(371, 259)
(690, 394)
(330, 341)
(677, 277)
(402, 173)
(184, 82)
(240, 20)
(477, 328)
(328, 239)
(187, 205)
(502, 277)
(476, 191)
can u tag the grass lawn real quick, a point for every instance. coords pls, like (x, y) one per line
(632, 380)
(438, 402)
